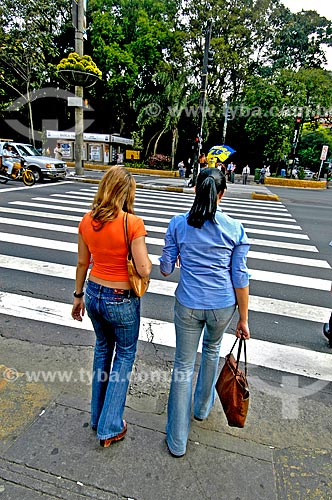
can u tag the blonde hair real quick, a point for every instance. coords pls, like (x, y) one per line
(116, 192)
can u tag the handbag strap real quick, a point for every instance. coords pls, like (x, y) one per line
(242, 340)
(125, 223)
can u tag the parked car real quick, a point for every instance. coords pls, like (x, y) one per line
(308, 173)
(43, 167)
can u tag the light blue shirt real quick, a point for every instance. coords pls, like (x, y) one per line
(213, 260)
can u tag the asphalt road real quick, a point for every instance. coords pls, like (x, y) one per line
(46, 446)
(310, 209)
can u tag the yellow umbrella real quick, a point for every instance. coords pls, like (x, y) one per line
(220, 153)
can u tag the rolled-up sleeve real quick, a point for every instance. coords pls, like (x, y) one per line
(170, 251)
(240, 272)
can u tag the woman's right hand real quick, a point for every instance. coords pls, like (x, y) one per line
(78, 309)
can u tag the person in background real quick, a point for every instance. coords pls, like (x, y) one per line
(181, 168)
(112, 306)
(211, 249)
(229, 171)
(245, 174)
(262, 175)
(58, 152)
(233, 173)
(8, 158)
(188, 169)
(202, 160)
(219, 165)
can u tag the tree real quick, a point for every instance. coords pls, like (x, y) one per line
(311, 144)
(129, 40)
(29, 29)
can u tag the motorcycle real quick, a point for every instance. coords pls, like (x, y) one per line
(20, 172)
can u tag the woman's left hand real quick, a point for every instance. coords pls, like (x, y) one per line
(242, 330)
(78, 309)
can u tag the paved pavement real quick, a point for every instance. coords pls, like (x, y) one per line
(47, 449)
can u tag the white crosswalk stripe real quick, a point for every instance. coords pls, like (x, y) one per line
(259, 352)
(281, 242)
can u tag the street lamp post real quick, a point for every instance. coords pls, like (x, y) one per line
(225, 121)
(79, 170)
(202, 98)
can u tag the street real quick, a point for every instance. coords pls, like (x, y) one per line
(289, 358)
(290, 259)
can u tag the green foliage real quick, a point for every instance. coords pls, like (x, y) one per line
(267, 60)
(300, 173)
(130, 41)
(29, 32)
(136, 164)
(310, 147)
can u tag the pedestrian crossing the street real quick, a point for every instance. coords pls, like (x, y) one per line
(281, 256)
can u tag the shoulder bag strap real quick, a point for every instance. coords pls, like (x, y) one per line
(242, 340)
(125, 223)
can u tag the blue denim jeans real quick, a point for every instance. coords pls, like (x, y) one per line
(116, 318)
(189, 324)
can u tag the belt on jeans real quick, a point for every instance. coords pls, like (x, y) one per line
(117, 291)
(122, 291)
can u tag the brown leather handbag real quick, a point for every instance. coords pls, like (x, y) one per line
(233, 389)
(138, 284)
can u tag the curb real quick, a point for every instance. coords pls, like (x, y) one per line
(270, 197)
(173, 189)
(149, 171)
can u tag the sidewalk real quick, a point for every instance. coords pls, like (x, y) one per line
(155, 182)
(47, 449)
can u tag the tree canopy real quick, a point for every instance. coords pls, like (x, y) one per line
(268, 62)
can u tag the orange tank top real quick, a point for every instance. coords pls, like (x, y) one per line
(108, 247)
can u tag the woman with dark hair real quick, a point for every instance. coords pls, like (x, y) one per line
(212, 251)
(112, 306)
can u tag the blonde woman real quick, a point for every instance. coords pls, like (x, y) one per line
(112, 306)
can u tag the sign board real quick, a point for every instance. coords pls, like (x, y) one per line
(132, 155)
(324, 153)
(121, 140)
(94, 152)
(75, 101)
(58, 134)
(66, 150)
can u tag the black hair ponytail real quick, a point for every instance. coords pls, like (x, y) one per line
(210, 183)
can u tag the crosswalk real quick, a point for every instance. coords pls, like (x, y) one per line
(281, 259)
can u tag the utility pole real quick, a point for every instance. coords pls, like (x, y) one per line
(79, 170)
(225, 121)
(207, 59)
(298, 124)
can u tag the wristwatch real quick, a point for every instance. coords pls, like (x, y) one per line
(78, 295)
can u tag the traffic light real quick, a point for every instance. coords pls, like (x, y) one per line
(298, 122)
(210, 59)
(198, 141)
